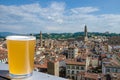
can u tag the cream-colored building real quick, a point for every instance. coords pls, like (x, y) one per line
(73, 67)
(72, 52)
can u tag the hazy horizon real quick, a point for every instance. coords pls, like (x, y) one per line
(59, 32)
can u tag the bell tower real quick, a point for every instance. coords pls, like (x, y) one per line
(41, 39)
(85, 34)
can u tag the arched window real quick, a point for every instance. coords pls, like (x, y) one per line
(77, 72)
(68, 71)
(82, 68)
(72, 72)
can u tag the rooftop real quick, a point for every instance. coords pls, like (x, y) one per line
(73, 62)
(111, 63)
(91, 75)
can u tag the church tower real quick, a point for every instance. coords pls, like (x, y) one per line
(85, 34)
(41, 39)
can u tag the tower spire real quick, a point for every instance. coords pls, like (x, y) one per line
(85, 31)
(40, 39)
(86, 34)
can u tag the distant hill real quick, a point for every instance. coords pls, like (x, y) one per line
(74, 35)
(63, 35)
(4, 34)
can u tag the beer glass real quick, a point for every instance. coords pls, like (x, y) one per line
(20, 55)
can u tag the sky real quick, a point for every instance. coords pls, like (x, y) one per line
(59, 16)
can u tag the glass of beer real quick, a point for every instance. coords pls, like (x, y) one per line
(20, 55)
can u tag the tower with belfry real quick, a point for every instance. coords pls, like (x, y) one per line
(41, 39)
(85, 34)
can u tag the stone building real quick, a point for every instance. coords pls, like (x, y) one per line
(53, 68)
(72, 52)
(73, 67)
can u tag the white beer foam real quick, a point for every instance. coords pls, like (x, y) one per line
(20, 38)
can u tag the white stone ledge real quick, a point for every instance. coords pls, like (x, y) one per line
(35, 76)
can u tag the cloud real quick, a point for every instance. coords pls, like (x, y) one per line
(32, 18)
(84, 10)
(52, 28)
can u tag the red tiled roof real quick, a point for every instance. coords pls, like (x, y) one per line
(91, 75)
(103, 55)
(73, 62)
(40, 65)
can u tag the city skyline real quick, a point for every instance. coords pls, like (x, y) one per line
(58, 16)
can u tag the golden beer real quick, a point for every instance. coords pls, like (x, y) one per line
(21, 55)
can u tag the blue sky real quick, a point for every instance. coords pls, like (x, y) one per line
(57, 16)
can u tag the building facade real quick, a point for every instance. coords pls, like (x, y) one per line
(72, 52)
(73, 68)
(53, 68)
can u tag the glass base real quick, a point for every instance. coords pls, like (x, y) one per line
(20, 76)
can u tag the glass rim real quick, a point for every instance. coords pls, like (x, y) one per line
(20, 37)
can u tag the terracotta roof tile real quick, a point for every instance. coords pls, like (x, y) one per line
(73, 62)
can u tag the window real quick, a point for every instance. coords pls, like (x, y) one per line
(115, 70)
(82, 68)
(72, 55)
(77, 72)
(107, 70)
(73, 67)
(73, 77)
(68, 66)
(72, 72)
(72, 51)
(68, 71)
(77, 67)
